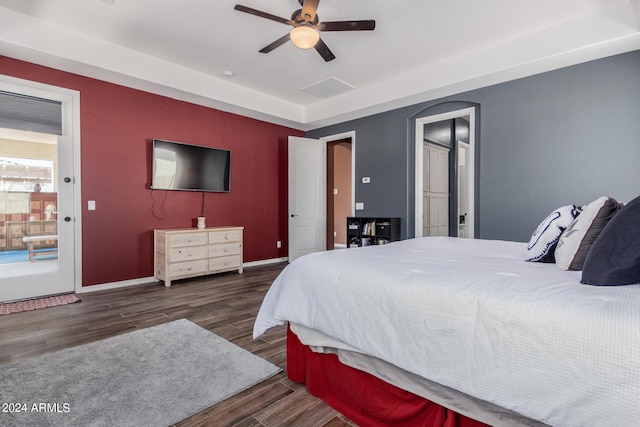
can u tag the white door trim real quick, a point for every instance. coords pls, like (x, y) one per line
(420, 122)
(70, 100)
(468, 227)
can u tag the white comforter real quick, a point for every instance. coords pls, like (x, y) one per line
(474, 316)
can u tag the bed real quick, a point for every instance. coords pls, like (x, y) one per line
(458, 332)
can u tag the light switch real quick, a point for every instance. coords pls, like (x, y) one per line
(359, 206)
(366, 179)
(91, 205)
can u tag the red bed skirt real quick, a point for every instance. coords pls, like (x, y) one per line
(363, 398)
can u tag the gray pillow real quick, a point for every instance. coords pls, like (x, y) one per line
(577, 239)
(614, 258)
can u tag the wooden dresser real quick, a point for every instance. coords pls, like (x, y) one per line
(191, 252)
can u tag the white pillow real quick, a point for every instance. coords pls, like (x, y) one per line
(543, 242)
(575, 242)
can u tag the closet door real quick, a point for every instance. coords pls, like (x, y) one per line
(436, 191)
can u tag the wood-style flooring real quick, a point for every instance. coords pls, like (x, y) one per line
(226, 304)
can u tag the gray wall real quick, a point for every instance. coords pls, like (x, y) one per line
(563, 137)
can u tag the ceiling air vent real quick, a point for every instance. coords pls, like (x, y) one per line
(327, 88)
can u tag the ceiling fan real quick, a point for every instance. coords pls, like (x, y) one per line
(306, 24)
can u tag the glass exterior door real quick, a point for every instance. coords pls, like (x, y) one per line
(32, 189)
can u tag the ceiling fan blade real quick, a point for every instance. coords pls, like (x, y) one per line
(309, 9)
(324, 51)
(365, 25)
(262, 14)
(282, 40)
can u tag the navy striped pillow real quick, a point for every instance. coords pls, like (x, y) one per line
(542, 245)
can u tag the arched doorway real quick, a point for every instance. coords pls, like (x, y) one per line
(455, 133)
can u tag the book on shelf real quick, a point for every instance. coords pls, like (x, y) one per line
(369, 228)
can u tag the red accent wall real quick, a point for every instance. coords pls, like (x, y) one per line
(117, 126)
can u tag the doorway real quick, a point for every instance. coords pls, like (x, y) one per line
(340, 187)
(40, 196)
(339, 192)
(454, 132)
(306, 183)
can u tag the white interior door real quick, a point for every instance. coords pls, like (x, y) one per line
(60, 272)
(436, 191)
(307, 201)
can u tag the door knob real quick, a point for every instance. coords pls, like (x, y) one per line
(67, 179)
(67, 218)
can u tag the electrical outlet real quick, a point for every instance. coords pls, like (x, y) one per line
(278, 244)
(359, 206)
(91, 205)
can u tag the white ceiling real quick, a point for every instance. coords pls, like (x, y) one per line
(420, 49)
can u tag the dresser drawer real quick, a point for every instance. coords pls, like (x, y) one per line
(187, 253)
(225, 262)
(224, 236)
(188, 239)
(224, 249)
(188, 268)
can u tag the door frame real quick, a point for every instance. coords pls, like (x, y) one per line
(70, 100)
(419, 167)
(330, 138)
(337, 137)
(468, 161)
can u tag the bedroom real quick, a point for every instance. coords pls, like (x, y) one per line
(540, 138)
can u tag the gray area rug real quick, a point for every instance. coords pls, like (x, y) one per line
(151, 377)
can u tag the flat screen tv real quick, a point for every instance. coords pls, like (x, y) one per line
(178, 166)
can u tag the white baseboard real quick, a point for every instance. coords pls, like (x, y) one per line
(115, 285)
(264, 262)
(147, 280)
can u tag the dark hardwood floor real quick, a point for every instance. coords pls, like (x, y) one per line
(225, 304)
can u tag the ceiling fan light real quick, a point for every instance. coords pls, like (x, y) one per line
(304, 37)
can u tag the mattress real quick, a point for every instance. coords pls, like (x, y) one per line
(461, 403)
(473, 316)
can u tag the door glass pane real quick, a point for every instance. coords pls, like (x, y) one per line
(28, 203)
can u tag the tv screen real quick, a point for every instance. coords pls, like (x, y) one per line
(178, 166)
